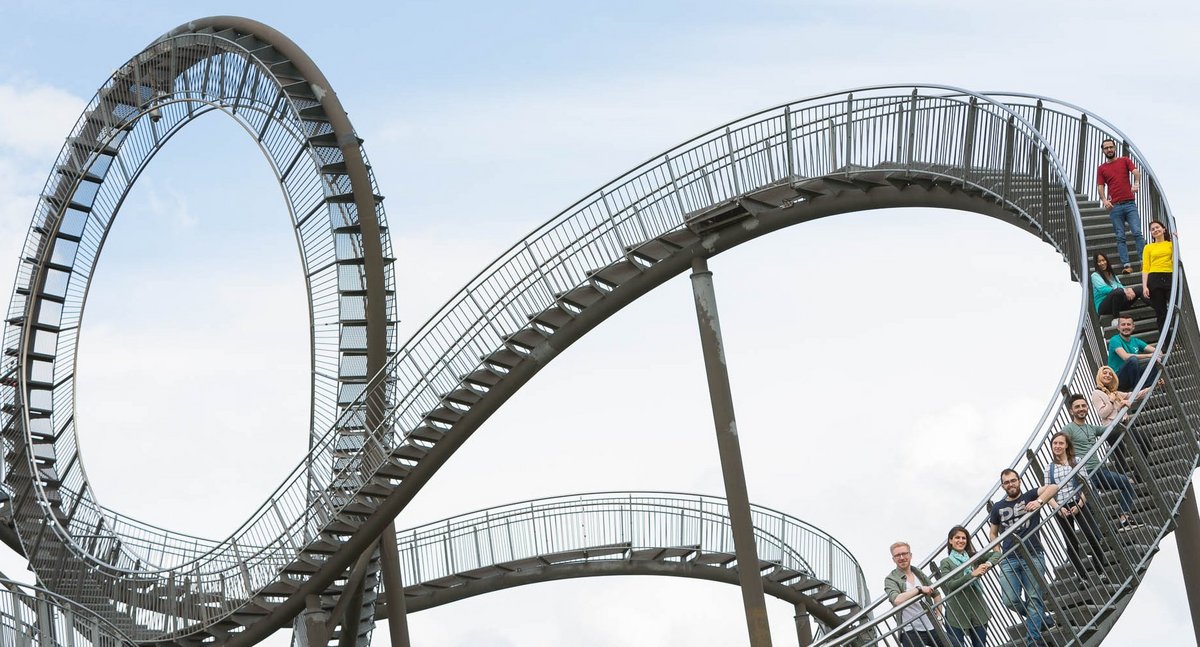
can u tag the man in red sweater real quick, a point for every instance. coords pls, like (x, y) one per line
(1113, 175)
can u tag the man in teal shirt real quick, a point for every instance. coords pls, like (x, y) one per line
(1084, 436)
(1128, 355)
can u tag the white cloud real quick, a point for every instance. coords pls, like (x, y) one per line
(35, 119)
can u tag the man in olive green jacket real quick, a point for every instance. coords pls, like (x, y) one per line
(904, 584)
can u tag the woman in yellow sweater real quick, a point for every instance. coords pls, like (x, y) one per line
(1157, 262)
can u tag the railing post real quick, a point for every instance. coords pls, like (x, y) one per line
(1080, 154)
(1010, 135)
(912, 129)
(1037, 125)
(733, 169)
(791, 154)
(674, 186)
(849, 130)
(732, 471)
(968, 152)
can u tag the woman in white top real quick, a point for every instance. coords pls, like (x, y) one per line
(1071, 509)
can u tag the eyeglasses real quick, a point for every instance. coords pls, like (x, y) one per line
(901, 555)
(1009, 482)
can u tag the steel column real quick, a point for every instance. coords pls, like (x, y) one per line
(1187, 538)
(730, 451)
(393, 588)
(312, 629)
(803, 627)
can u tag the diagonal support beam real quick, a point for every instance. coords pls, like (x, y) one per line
(730, 450)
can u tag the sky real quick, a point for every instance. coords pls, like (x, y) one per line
(884, 365)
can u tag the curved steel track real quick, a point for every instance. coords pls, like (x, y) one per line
(1024, 160)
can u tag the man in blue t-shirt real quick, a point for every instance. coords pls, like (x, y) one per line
(1128, 355)
(1021, 509)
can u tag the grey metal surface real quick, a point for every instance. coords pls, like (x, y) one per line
(1023, 160)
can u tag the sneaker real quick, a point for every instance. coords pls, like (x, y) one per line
(1114, 322)
(1127, 270)
(1048, 622)
(1128, 523)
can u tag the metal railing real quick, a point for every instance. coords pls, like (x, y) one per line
(951, 135)
(31, 615)
(539, 527)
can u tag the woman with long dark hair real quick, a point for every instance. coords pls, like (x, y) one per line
(1108, 294)
(1071, 507)
(1157, 264)
(967, 612)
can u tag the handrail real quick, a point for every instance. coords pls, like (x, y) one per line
(798, 544)
(39, 616)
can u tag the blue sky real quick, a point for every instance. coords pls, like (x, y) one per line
(894, 331)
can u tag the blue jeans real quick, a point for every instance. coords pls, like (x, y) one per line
(1122, 214)
(1108, 480)
(959, 637)
(1016, 577)
(1131, 371)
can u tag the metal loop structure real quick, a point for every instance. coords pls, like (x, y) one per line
(375, 443)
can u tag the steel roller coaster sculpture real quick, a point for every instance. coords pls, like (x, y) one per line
(385, 416)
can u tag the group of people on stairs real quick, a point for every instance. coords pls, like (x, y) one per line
(962, 617)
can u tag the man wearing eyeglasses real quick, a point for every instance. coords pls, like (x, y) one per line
(903, 584)
(1117, 195)
(1017, 572)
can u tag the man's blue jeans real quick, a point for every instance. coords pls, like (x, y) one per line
(1107, 480)
(1016, 577)
(1121, 215)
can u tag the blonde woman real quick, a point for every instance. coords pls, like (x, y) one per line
(1107, 401)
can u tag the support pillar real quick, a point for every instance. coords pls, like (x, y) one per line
(311, 630)
(393, 587)
(1187, 538)
(731, 454)
(803, 626)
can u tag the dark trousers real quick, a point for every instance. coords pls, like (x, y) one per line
(1131, 371)
(976, 636)
(1160, 292)
(1116, 302)
(1083, 523)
